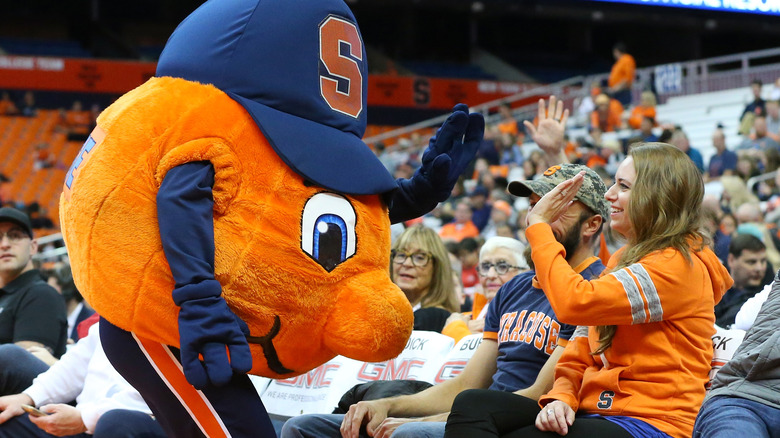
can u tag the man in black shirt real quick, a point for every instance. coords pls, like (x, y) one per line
(32, 313)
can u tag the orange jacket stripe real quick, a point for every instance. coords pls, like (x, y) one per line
(194, 401)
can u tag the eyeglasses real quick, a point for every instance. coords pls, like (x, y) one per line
(501, 268)
(419, 259)
(14, 235)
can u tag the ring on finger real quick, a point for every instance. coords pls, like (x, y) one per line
(550, 412)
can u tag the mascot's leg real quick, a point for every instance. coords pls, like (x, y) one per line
(233, 410)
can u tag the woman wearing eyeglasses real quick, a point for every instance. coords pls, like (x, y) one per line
(500, 259)
(421, 268)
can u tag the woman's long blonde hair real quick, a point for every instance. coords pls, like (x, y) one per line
(664, 210)
(441, 292)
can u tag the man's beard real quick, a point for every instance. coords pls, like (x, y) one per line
(571, 240)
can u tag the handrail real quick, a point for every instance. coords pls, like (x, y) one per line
(542, 90)
(52, 253)
(49, 239)
(758, 178)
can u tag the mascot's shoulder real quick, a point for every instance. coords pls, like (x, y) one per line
(165, 101)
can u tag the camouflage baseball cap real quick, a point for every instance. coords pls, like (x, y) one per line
(591, 193)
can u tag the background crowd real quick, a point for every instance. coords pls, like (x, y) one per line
(450, 263)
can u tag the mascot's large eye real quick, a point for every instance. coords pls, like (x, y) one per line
(328, 229)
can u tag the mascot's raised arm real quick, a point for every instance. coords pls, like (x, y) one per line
(226, 218)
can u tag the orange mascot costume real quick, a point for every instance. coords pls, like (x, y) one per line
(225, 217)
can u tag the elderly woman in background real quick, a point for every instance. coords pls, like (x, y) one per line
(420, 266)
(500, 259)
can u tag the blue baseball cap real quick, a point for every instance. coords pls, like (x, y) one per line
(299, 68)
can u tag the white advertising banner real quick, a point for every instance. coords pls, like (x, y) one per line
(319, 390)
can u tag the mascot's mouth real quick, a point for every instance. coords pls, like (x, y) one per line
(268, 347)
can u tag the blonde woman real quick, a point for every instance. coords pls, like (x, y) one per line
(420, 266)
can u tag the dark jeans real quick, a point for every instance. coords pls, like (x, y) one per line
(118, 423)
(18, 368)
(487, 413)
(729, 417)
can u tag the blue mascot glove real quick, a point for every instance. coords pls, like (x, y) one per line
(208, 327)
(448, 154)
(451, 150)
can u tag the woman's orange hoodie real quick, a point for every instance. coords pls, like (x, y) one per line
(660, 357)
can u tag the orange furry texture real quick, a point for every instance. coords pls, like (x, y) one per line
(110, 228)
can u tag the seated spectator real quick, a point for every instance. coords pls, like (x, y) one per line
(743, 399)
(510, 152)
(7, 106)
(33, 312)
(646, 126)
(468, 256)
(480, 207)
(61, 125)
(584, 106)
(505, 230)
(724, 161)
(500, 259)
(508, 123)
(462, 226)
(773, 120)
(749, 165)
(61, 279)
(421, 269)
(757, 107)
(79, 122)
(28, 108)
(747, 266)
(680, 141)
(711, 223)
(759, 140)
(608, 114)
(645, 109)
(106, 405)
(750, 219)
(610, 156)
(728, 224)
(490, 146)
(499, 215)
(43, 158)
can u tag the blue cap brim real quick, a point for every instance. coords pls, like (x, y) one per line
(328, 157)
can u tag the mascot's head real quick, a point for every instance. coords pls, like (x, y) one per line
(299, 68)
